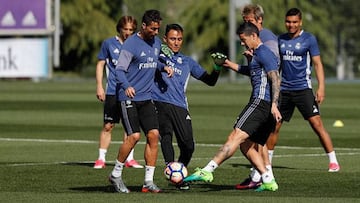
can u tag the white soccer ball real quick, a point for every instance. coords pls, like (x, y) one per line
(175, 172)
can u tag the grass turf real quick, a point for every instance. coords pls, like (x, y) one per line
(49, 136)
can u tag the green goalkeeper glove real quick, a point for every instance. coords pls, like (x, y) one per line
(166, 51)
(219, 60)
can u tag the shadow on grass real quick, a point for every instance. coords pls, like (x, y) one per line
(106, 189)
(86, 164)
(250, 166)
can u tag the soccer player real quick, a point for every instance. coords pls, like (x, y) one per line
(170, 99)
(297, 50)
(107, 57)
(255, 14)
(135, 73)
(258, 118)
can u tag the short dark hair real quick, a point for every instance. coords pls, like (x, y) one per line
(173, 26)
(294, 12)
(126, 19)
(151, 16)
(247, 28)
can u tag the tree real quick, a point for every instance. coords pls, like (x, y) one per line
(84, 25)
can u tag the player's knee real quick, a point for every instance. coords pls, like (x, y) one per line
(108, 127)
(153, 136)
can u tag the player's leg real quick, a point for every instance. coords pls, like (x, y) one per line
(130, 121)
(150, 125)
(184, 134)
(286, 108)
(166, 131)
(130, 160)
(309, 109)
(111, 116)
(272, 141)
(235, 138)
(243, 125)
(252, 154)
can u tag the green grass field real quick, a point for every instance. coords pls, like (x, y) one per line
(49, 138)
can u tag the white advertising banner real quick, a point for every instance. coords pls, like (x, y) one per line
(24, 58)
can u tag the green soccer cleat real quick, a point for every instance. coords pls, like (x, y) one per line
(272, 186)
(199, 175)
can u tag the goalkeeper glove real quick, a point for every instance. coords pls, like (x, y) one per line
(166, 51)
(217, 68)
(219, 60)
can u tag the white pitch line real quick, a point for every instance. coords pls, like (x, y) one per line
(120, 142)
(194, 158)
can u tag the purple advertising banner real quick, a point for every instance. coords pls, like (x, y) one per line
(23, 14)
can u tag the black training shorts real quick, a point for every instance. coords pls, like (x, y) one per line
(138, 114)
(304, 100)
(256, 120)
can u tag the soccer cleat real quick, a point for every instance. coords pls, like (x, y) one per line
(151, 188)
(183, 186)
(247, 184)
(200, 175)
(334, 167)
(272, 186)
(118, 184)
(99, 164)
(133, 163)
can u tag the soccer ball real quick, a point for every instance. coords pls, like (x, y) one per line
(175, 172)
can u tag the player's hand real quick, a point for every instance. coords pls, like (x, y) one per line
(166, 51)
(219, 60)
(100, 94)
(320, 96)
(275, 112)
(169, 70)
(130, 92)
(249, 53)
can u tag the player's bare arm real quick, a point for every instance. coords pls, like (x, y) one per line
(100, 93)
(231, 65)
(275, 89)
(320, 76)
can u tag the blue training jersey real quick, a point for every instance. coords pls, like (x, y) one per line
(136, 67)
(173, 89)
(295, 60)
(262, 62)
(270, 40)
(110, 51)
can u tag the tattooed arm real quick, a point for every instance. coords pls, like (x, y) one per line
(275, 90)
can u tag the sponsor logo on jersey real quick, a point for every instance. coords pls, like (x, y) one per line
(150, 63)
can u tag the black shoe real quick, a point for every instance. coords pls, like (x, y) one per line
(183, 186)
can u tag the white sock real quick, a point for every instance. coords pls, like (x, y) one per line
(271, 154)
(131, 155)
(269, 168)
(332, 157)
(255, 175)
(267, 177)
(149, 174)
(118, 168)
(102, 154)
(211, 166)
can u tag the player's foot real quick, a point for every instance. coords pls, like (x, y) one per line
(247, 184)
(118, 184)
(99, 164)
(199, 175)
(272, 186)
(183, 186)
(133, 163)
(334, 167)
(151, 188)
